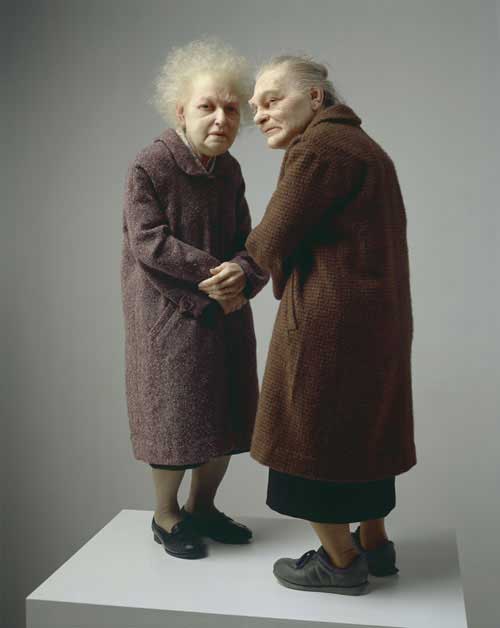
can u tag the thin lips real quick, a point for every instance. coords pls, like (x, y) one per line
(270, 129)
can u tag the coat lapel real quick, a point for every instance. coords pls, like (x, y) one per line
(185, 159)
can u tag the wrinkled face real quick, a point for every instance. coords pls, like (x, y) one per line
(281, 110)
(210, 116)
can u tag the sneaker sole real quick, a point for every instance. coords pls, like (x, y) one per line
(383, 573)
(354, 590)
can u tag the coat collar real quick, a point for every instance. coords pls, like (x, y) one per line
(340, 114)
(336, 113)
(185, 159)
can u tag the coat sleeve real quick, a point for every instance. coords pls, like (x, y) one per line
(308, 187)
(150, 236)
(256, 277)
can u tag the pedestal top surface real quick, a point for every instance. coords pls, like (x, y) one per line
(122, 566)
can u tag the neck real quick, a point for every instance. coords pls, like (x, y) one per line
(205, 159)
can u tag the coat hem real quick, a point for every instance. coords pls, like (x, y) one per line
(153, 460)
(397, 470)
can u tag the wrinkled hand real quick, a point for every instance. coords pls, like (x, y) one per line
(228, 281)
(226, 286)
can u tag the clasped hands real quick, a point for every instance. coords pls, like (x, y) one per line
(226, 286)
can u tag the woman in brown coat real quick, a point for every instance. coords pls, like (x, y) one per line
(191, 374)
(334, 421)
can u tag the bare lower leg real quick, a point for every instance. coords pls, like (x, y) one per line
(372, 533)
(205, 481)
(167, 484)
(337, 542)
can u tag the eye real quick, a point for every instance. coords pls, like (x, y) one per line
(232, 109)
(204, 106)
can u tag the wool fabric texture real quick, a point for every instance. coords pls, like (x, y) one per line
(336, 398)
(191, 373)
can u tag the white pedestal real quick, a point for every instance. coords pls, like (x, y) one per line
(122, 579)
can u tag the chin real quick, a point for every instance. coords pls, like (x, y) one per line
(213, 151)
(275, 143)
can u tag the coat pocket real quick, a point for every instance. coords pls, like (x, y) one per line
(291, 311)
(165, 320)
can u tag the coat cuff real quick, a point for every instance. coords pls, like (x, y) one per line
(256, 277)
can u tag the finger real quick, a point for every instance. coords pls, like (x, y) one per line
(226, 282)
(212, 281)
(209, 283)
(214, 292)
(224, 290)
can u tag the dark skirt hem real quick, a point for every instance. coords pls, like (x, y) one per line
(330, 502)
(331, 518)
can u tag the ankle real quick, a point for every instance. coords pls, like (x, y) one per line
(200, 507)
(371, 542)
(344, 559)
(167, 520)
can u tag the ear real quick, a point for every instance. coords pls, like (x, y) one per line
(179, 112)
(317, 97)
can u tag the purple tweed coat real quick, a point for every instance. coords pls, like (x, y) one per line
(191, 372)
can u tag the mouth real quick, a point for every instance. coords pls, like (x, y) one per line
(217, 134)
(273, 128)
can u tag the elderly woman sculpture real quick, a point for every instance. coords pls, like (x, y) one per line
(334, 420)
(191, 374)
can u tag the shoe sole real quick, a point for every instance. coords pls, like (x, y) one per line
(354, 590)
(201, 554)
(225, 541)
(383, 573)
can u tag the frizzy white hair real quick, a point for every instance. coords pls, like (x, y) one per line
(306, 73)
(205, 56)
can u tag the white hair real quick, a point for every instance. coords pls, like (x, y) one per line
(305, 73)
(205, 56)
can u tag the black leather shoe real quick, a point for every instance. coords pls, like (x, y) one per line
(219, 527)
(182, 541)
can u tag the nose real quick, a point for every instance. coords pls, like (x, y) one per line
(220, 116)
(260, 116)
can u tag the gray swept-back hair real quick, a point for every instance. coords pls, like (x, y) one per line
(306, 73)
(204, 56)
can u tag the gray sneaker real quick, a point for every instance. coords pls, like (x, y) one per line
(314, 571)
(381, 560)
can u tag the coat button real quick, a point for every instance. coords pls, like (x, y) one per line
(186, 305)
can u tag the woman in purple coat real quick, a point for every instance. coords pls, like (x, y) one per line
(191, 374)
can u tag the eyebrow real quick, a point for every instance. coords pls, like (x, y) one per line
(264, 94)
(224, 100)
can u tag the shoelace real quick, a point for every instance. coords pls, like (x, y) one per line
(300, 562)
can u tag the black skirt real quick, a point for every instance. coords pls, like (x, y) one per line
(330, 502)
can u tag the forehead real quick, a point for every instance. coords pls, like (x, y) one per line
(275, 79)
(213, 87)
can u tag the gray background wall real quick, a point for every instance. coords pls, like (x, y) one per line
(423, 76)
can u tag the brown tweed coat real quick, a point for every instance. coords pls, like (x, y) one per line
(191, 374)
(336, 398)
